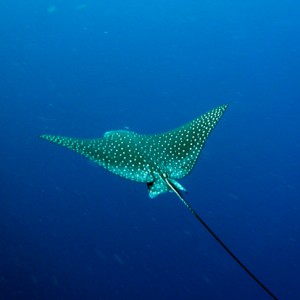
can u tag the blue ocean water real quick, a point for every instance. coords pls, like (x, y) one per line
(71, 230)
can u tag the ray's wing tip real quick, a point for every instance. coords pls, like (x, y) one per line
(224, 106)
(44, 136)
(48, 137)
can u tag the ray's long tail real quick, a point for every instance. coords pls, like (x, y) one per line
(228, 250)
(219, 240)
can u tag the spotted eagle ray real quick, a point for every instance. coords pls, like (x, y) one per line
(158, 160)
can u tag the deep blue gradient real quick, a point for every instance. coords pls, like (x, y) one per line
(71, 230)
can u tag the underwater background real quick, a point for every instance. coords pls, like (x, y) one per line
(71, 230)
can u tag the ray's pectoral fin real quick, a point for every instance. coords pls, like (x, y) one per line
(78, 145)
(89, 148)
